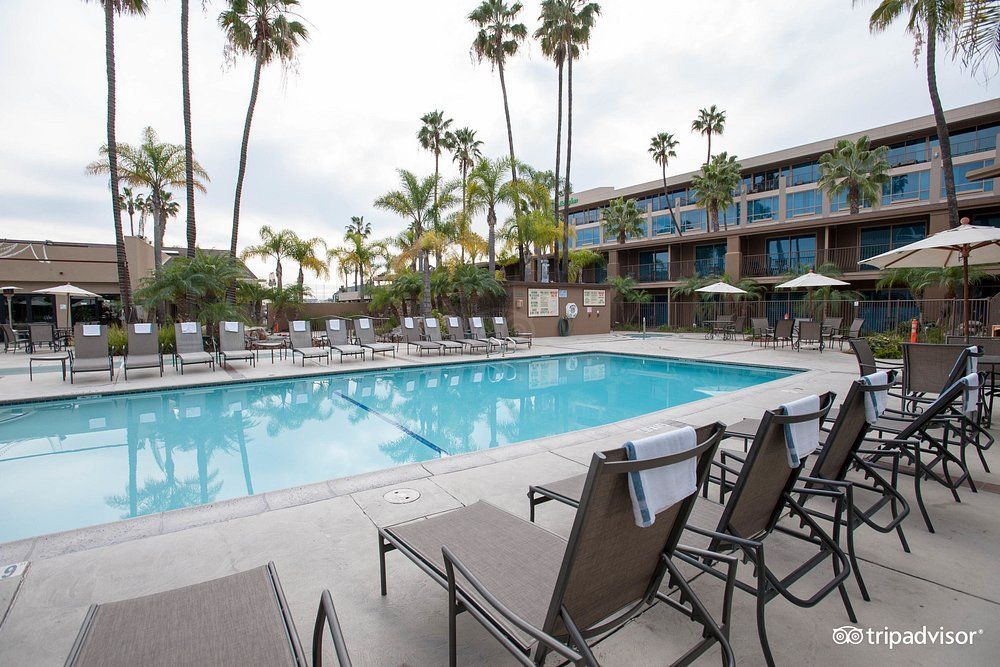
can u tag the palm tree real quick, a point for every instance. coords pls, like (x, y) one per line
(715, 185)
(155, 165)
(359, 226)
(625, 287)
(434, 136)
(135, 7)
(470, 283)
(661, 148)
(414, 200)
(192, 231)
(581, 259)
(583, 16)
(265, 30)
(487, 190)
(709, 121)
(466, 150)
(928, 21)
(131, 204)
(276, 244)
(622, 218)
(498, 39)
(979, 37)
(856, 168)
(304, 252)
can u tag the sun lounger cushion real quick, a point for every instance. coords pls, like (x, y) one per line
(311, 351)
(195, 357)
(91, 364)
(379, 347)
(237, 354)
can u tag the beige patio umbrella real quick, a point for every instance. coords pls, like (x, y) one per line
(811, 280)
(721, 288)
(961, 246)
(69, 291)
(8, 291)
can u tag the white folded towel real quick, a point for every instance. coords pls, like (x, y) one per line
(232, 327)
(142, 328)
(299, 325)
(189, 327)
(657, 489)
(970, 395)
(802, 439)
(91, 330)
(477, 322)
(453, 322)
(972, 361)
(875, 401)
(431, 323)
(408, 322)
(498, 320)
(333, 324)
(364, 323)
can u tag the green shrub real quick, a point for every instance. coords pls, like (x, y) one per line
(166, 338)
(886, 346)
(117, 340)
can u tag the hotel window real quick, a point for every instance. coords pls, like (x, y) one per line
(809, 202)
(839, 203)
(730, 217)
(659, 202)
(640, 235)
(762, 209)
(800, 174)
(589, 236)
(975, 140)
(762, 181)
(963, 184)
(682, 198)
(913, 151)
(710, 260)
(877, 240)
(663, 224)
(653, 266)
(907, 187)
(791, 253)
(693, 220)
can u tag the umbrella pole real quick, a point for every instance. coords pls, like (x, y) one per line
(965, 288)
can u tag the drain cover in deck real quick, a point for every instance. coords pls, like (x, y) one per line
(401, 496)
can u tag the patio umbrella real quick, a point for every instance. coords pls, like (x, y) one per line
(8, 291)
(961, 246)
(721, 288)
(70, 291)
(811, 280)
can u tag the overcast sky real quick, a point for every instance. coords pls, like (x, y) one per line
(328, 137)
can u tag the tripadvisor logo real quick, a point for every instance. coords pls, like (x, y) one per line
(850, 635)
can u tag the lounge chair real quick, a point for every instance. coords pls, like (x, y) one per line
(233, 344)
(413, 338)
(867, 364)
(810, 333)
(477, 331)
(782, 333)
(831, 326)
(301, 339)
(236, 620)
(432, 330)
(13, 339)
(536, 592)
(456, 329)
(143, 348)
(42, 334)
(364, 331)
(761, 494)
(90, 351)
(760, 330)
(503, 333)
(853, 333)
(189, 346)
(336, 336)
(928, 369)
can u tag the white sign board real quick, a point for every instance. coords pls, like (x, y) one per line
(543, 303)
(594, 297)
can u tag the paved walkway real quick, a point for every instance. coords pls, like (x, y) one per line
(323, 536)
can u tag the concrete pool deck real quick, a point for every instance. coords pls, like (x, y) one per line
(323, 536)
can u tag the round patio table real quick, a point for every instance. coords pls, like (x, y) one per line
(272, 345)
(61, 357)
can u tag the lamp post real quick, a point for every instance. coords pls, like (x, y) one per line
(8, 293)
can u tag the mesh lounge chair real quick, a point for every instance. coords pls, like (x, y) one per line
(301, 339)
(536, 592)
(336, 336)
(810, 333)
(853, 333)
(41, 334)
(241, 619)
(432, 330)
(90, 353)
(411, 334)
(762, 493)
(503, 333)
(831, 326)
(760, 330)
(456, 329)
(867, 363)
(13, 339)
(189, 346)
(364, 331)
(143, 348)
(233, 344)
(782, 333)
(477, 331)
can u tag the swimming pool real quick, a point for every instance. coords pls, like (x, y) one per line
(68, 464)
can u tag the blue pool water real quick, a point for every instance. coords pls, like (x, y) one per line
(68, 464)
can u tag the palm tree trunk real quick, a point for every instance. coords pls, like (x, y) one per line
(944, 136)
(302, 277)
(562, 273)
(491, 241)
(465, 212)
(437, 213)
(709, 158)
(159, 218)
(188, 144)
(513, 161)
(243, 152)
(277, 272)
(124, 284)
(569, 129)
(666, 196)
(425, 296)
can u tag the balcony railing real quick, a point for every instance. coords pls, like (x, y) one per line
(846, 259)
(682, 270)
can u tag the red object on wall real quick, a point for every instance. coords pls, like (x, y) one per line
(913, 330)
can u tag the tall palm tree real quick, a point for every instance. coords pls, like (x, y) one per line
(709, 121)
(622, 218)
(111, 7)
(359, 226)
(929, 21)
(278, 244)
(498, 39)
(714, 186)
(434, 136)
(192, 230)
(131, 203)
(265, 30)
(465, 151)
(304, 252)
(979, 36)
(487, 190)
(414, 201)
(583, 16)
(661, 148)
(856, 168)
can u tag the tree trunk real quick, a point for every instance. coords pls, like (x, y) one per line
(709, 158)
(188, 144)
(465, 211)
(302, 277)
(666, 195)
(854, 199)
(243, 153)
(277, 272)
(124, 283)
(569, 129)
(562, 273)
(437, 213)
(944, 136)
(425, 297)
(491, 242)
(159, 218)
(513, 161)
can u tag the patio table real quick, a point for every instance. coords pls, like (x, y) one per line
(272, 345)
(61, 357)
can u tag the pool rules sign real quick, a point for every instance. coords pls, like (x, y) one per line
(543, 303)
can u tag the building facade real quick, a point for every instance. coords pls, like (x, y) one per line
(781, 222)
